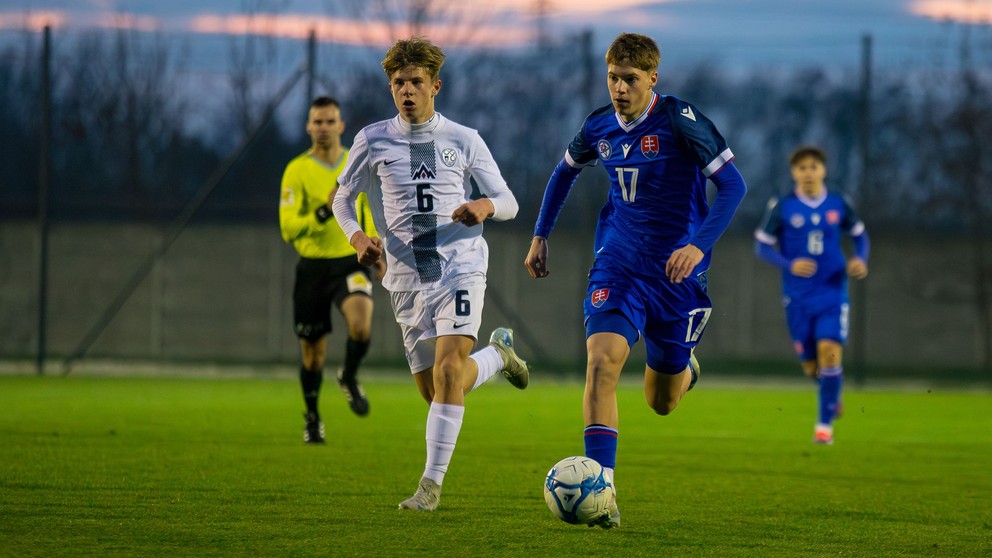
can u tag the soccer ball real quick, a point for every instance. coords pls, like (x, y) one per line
(577, 491)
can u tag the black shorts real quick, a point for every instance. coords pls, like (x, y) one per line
(321, 282)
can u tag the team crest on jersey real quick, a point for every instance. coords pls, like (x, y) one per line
(797, 220)
(599, 296)
(649, 146)
(448, 156)
(604, 149)
(423, 172)
(833, 217)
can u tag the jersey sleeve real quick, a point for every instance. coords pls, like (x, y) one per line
(579, 153)
(771, 224)
(851, 224)
(486, 173)
(699, 137)
(355, 179)
(294, 220)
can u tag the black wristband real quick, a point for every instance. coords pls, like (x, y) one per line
(323, 213)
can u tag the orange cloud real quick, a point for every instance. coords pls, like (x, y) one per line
(33, 21)
(964, 11)
(129, 21)
(355, 33)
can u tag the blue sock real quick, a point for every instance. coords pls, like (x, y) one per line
(831, 380)
(601, 444)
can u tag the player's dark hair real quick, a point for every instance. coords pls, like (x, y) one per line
(325, 101)
(805, 151)
(417, 52)
(638, 51)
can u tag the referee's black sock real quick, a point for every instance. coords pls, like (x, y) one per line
(354, 352)
(310, 381)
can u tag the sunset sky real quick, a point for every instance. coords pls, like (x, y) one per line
(736, 31)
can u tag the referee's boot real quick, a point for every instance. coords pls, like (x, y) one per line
(354, 393)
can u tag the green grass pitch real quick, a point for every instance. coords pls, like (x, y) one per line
(104, 466)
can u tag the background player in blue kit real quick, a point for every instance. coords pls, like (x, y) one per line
(653, 238)
(807, 226)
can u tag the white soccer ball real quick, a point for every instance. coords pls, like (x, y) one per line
(577, 491)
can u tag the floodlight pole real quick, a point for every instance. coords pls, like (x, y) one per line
(860, 289)
(311, 67)
(44, 167)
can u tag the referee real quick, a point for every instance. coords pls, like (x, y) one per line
(328, 271)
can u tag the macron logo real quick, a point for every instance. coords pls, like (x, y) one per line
(687, 112)
(626, 148)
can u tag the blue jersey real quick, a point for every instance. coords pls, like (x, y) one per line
(811, 228)
(657, 165)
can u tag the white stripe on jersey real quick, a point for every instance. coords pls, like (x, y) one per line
(415, 176)
(717, 164)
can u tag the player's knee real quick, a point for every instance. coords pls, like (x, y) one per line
(360, 332)
(603, 361)
(663, 405)
(448, 375)
(828, 353)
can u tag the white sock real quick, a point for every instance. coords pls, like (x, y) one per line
(443, 424)
(489, 362)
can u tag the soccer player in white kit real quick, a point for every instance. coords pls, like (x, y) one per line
(415, 169)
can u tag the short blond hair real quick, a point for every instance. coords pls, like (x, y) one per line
(638, 51)
(417, 52)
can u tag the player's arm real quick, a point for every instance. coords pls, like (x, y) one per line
(559, 185)
(364, 211)
(730, 191)
(578, 156)
(499, 204)
(355, 178)
(702, 141)
(766, 236)
(857, 265)
(766, 241)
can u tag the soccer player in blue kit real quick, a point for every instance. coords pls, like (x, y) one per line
(653, 239)
(807, 226)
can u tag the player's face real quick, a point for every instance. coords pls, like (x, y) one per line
(630, 89)
(324, 126)
(413, 93)
(808, 173)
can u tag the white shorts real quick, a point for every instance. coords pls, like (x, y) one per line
(453, 308)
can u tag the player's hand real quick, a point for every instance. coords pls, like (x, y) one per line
(473, 212)
(857, 268)
(536, 261)
(369, 249)
(682, 262)
(803, 267)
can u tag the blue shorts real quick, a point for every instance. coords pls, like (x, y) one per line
(807, 325)
(671, 317)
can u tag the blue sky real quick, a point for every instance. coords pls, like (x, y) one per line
(730, 32)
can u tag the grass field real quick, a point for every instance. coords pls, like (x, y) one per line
(104, 466)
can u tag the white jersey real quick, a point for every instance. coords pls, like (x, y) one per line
(415, 176)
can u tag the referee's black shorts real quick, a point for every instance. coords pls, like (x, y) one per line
(321, 282)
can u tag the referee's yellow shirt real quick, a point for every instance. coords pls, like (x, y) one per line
(306, 183)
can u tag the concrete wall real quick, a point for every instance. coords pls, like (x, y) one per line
(223, 293)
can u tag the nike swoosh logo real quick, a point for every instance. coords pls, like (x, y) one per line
(387, 163)
(456, 326)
